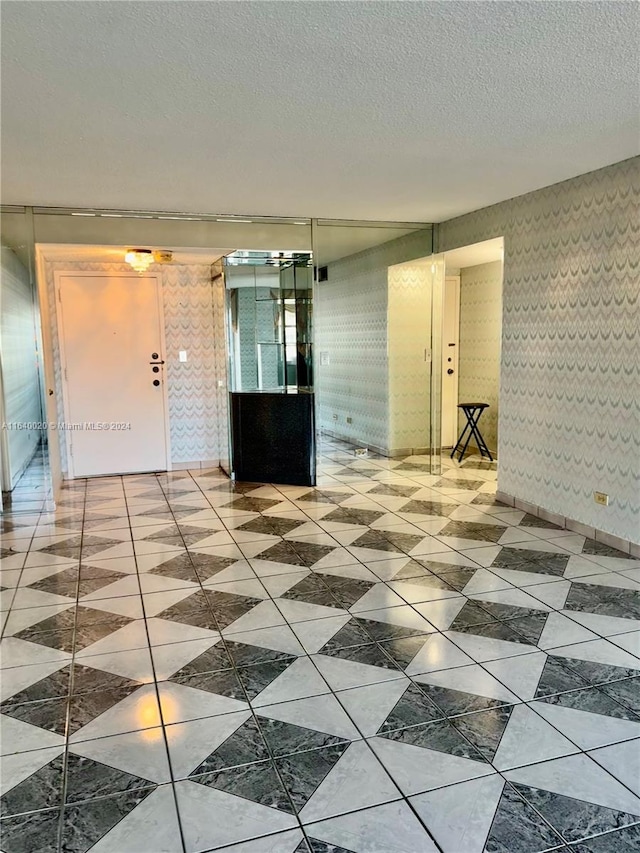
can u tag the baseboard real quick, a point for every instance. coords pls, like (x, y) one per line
(624, 545)
(195, 465)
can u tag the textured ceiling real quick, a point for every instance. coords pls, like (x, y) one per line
(372, 110)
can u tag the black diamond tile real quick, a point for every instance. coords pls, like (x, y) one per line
(193, 610)
(386, 630)
(286, 738)
(531, 627)
(557, 676)
(41, 790)
(526, 560)
(253, 504)
(625, 692)
(599, 549)
(271, 525)
(245, 746)
(85, 707)
(484, 728)
(450, 483)
(471, 614)
(312, 590)
(35, 831)
(439, 735)
(324, 496)
(56, 685)
(413, 708)
(625, 840)
(302, 772)
(518, 827)
(255, 678)
(258, 782)
(404, 542)
(604, 600)
(58, 631)
(393, 490)
(377, 541)
(85, 823)
(224, 682)
(534, 521)
(86, 680)
(436, 508)
(351, 634)
(456, 576)
(351, 515)
(86, 779)
(310, 553)
(403, 649)
(455, 702)
(244, 654)
(594, 700)
(346, 591)
(473, 530)
(496, 631)
(574, 819)
(371, 654)
(282, 552)
(600, 673)
(50, 714)
(227, 607)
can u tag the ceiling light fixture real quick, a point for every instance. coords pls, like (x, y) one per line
(139, 259)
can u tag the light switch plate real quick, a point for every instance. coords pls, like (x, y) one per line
(182, 355)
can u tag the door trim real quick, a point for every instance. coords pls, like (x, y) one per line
(57, 275)
(455, 280)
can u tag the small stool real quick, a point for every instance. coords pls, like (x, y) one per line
(472, 413)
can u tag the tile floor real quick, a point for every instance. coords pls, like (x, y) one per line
(391, 662)
(32, 493)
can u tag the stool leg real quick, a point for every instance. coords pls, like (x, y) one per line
(460, 440)
(482, 445)
(470, 424)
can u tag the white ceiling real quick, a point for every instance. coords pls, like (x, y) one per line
(470, 256)
(373, 110)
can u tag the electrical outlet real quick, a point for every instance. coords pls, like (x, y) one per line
(601, 498)
(349, 420)
(361, 451)
(335, 417)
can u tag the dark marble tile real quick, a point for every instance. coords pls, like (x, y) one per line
(83, 824)
(496, 631)
(412, 708)
(271, 525)
(591, 546)
(404, 542)
(450, 483)
(457, 577)
(473, 530)
(387, 630)
(403, 649)
(518, 828)
(244, 654)
(282, 552)
(314, 845)
(348, 515)
(324, 496)
(85, 707)
(312, 590)
(36, 832)
(574, 819)
(376, 541)
(346, 591)
(193, 610)
(525, 560)
(478, 464)
(244, 746)
(286, 738)
(180, 568)
(351, 634)
(557, 677)
(600, 673)
(258, 782)
(41, 790)
(253, 504)
(53, 686)
(255, 678)
(437, 508)
(455, 702)
(371, 654)
(310, 553)
(488, 500)
(86, 680)
(50, 714)
(594, 700)
(224, 682)
(212, 660)
(439, 735)
(531, 627)
(485, 728)
(471, 614)
(625, 840)
(87, 779)
(625, 692)
(604, 600)
(303, 772)
(394, 490)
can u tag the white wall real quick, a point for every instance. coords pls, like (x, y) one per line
(18, 351)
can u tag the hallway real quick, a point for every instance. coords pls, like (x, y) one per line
(391, 662)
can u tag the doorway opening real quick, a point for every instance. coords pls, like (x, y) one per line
(472, 334)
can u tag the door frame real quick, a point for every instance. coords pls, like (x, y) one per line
(58, 274)
(456, 361)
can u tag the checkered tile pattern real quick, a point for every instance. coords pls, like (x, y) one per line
(391, 661)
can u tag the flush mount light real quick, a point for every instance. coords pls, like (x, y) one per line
(139, 259)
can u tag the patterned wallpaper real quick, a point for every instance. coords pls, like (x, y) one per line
(194, 321)
(570, 398)
(350, 323)
(409, 332)
(480, 332)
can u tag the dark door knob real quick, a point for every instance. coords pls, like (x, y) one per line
(155, 369)
(450, 371)
(156, 382)
(154, 355)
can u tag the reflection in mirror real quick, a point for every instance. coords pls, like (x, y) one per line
(269, 299)
(24, 467)
(375, 338)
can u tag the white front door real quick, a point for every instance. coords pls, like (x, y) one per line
(111, 335)
(450, 358)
